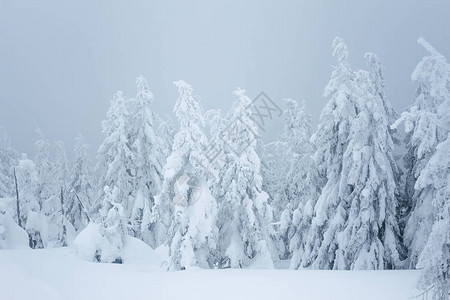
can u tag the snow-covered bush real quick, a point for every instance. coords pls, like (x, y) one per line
(104, 242)
(12, 236)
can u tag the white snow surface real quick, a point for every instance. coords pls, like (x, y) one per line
(58, 274)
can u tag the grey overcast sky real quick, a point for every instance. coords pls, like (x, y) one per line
(61, 61)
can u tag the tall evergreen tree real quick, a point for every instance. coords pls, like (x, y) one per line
(369, 239)
(149, 155)
(190, 225)
(244, 210)
(293, 164)
(44, 173)
(57, 216)
(427, 123)
(354, 224)
(115, 155)
(30, 211)
(82, 186)
(8, 159)
(50, 177)
(331, 140)
(434, 260)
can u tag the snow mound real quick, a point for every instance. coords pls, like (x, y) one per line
(89, 241)
(12, 236)
(136, 252)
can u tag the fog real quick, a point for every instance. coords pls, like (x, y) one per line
(62, 61)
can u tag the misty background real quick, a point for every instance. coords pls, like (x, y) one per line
(62, 61)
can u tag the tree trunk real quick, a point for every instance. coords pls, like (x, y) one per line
(19, 221)
(63, 215)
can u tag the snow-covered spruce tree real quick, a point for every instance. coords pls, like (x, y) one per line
(81, 186)
(216, 154)
(376, 71)
(214, 121)
(58, 200)
(8, 159)
(47, 191)
(113, 227)
(427, 124)
(434, 260)
(331, 140)
(44, 172)
(149, 157)
(291, 164)
(369, 175)
(295, 190)
(166, 132)
(244, 211)
(33, 220)
(115, 156)
(354, 224)
(190, 225)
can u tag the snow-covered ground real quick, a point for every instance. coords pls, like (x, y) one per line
(59, 274)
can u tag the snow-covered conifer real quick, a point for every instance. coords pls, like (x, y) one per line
(288, 163)
(190, 225)
(149, 157)
(427, 123)
(434, 260)
(244, 210)
(369, 239)
(81, 186)
(44, 172)
(8, 159)
(113, 227)
(34, 221)
(58, 201)
(293, 187)
(354, 223)
(115, 155)
(331, 140)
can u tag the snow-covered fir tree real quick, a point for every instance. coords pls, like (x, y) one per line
(33, 220)
(331, 140)
(8, 159)
(58, 201)
(434, 260)
(166, 132)
(81, 186)
(48, 190)
(427, 123)
(115, 155)
(369, 239)
(354, 223)
(294, 188)
(113, 227)
(244, 210)
(292, 158)
(44, 172)
(190, 224)
(149, 156)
